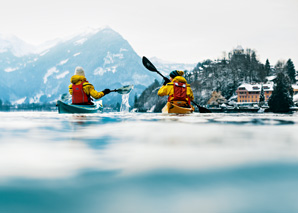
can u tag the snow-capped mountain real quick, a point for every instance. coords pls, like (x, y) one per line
(15, 45)
(108, 60)
(165, 67)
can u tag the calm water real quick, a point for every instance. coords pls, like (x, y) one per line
(148, 163)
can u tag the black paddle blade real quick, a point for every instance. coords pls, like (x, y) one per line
(204, 110)
(201, 109)
(148, 64)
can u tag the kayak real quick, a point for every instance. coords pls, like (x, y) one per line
(74, 108)
(173, 108)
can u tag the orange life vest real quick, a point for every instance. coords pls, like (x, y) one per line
(180, 93)
(79, 96)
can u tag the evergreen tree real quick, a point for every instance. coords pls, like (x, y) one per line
(282, 96)
(290, 69)
(136, 101)
(268, 68)
(262, 73)
(262, 97)
(279, 67)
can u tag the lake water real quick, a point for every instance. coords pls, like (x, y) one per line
(148, 163)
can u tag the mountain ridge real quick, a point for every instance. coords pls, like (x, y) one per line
(108, 59)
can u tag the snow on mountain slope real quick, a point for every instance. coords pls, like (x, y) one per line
(166, 67)
(15, 45)
(107, 58)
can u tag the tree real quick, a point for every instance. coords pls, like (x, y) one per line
(282, 96)
(262, 97)
(136, 101)
(279, 67)
(290, 69)
(267, 68)
(262, 73)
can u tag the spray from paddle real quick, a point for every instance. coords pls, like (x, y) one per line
(125, 104)
(125, 101)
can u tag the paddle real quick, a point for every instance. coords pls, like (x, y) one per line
(152, 68)
(122, 90)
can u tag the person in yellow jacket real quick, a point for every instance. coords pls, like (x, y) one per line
(81, 90)
(177, 89)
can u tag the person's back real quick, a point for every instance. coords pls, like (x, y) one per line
(81, 90)
(177, 89)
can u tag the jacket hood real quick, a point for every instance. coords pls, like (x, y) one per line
(179, 79)
(76, 78)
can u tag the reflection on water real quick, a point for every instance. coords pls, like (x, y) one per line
(133, 162)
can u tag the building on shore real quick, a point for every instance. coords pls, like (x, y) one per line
(250, 93)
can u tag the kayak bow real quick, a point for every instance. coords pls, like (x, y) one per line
(173, 108)
(73, 108)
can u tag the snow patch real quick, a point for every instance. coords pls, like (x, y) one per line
(3, 50)
(50, 72)
(9, 69)
(151, 109)
(19, 101)
(36, 98)
(109, 59)
(81, 41)
(62, 75)
(76, 54)
(43, 53)
(295, 86)
(63, 62)
(100, 71)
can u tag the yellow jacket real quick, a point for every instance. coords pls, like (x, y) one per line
(87, 87)
(168, 89)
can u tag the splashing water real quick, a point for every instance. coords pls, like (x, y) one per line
(125, 104)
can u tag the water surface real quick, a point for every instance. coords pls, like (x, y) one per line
(146, 162)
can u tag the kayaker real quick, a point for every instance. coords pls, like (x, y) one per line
(82, 91)
(177, 89)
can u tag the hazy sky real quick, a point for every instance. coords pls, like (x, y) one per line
(177, 31)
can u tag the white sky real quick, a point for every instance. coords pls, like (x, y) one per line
(174, 30)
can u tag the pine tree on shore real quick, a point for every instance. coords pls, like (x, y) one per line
(267, 67)
(282, 96)
(262, 97)
(290, 69)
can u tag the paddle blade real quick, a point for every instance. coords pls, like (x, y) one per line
(201, 109)
(204, 110)
(148, 64)
(125, 89)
